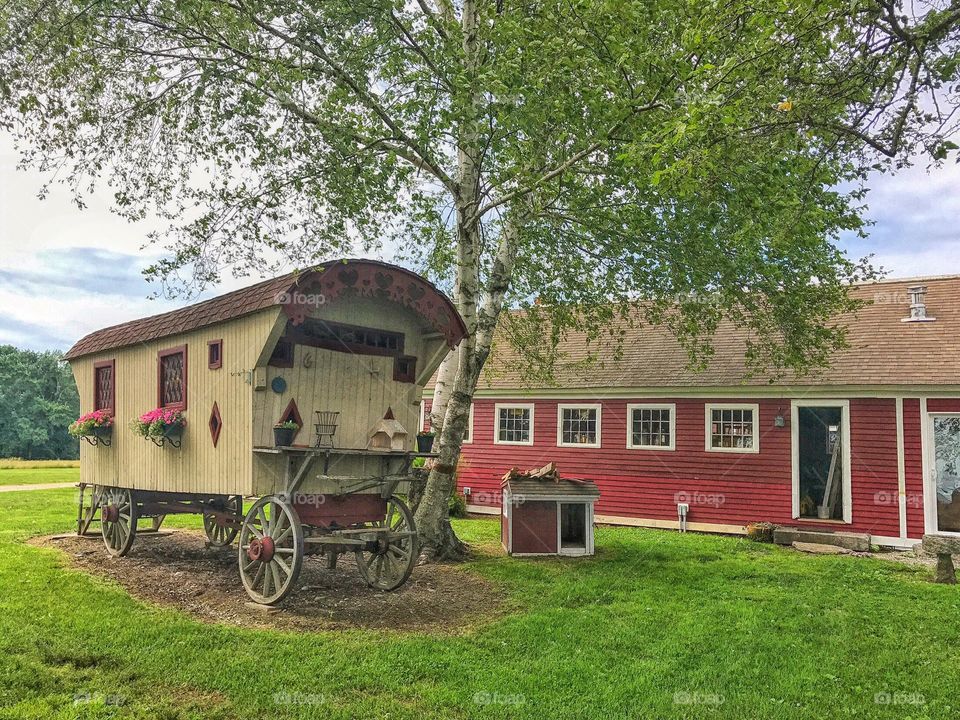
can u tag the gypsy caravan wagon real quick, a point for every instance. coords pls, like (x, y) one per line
(280, 391)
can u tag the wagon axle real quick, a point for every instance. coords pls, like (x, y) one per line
(262, 549)
(274, 538)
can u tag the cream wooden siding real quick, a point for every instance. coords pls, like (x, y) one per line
(197, 466)
(361, 387)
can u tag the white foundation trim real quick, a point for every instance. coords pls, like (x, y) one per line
(902, 543)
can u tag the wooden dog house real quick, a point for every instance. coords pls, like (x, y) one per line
(545, 514)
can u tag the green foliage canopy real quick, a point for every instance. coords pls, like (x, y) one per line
(584, 152)
(38, 400)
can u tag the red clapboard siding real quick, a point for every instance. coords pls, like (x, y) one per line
(873, 466)
(943, 405)
(913, 466)
(722, 488)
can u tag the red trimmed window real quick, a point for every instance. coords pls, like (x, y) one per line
(215, 354)
(104, 385)
(172, 378)
(405, 369)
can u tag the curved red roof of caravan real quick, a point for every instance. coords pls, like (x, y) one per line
(295, 292)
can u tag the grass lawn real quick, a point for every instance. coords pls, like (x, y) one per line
(33, 476)
(657, 625)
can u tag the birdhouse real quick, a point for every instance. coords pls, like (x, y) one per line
(388, 434)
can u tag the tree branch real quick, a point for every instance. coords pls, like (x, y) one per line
(338, 74)
(564, 166)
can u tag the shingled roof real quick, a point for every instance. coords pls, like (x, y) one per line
(270, 293)
(883, 350)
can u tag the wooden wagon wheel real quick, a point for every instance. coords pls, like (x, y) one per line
(271, 550)
(386, 563)
(118, 520)
(87, 513)
(220, 532)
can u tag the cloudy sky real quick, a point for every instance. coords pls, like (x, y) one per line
(65, 271)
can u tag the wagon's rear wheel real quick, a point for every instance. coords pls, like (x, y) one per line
(387, 562)
(271, 550)
(220, 531)
(87, 511)
(118, 520)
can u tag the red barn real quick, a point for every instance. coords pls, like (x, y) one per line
(870, 445)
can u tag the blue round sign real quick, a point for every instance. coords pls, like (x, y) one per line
(278, 385)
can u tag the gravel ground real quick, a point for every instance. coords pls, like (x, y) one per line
(176, 570)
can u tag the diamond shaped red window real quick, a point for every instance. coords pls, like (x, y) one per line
(215, 423)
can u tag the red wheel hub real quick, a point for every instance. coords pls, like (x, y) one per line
(261, 549)
(109, 513)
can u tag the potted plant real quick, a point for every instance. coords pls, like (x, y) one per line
(160, 425)
(97, 425)
(425, 441)
(283, 433)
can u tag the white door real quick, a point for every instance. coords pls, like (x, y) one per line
(945, 490)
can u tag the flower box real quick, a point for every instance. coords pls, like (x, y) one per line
(161, 425)
(95, 427)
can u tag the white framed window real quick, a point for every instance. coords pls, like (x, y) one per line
(468, 433)
(733, 427)
(513, 424)
(423, 416)
(651, 426)
(578, 425)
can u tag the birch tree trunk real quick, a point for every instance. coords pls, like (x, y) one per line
(433, 522)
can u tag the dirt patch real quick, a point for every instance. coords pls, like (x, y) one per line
(177, 570)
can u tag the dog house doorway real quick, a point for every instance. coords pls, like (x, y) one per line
(573, 527)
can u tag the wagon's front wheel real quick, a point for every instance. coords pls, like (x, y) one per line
(387, 562)
(221, 530)
(271, 550)
(118, 520)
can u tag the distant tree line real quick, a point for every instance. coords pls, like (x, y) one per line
(38, 400)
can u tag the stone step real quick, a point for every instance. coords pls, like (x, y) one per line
(859, 542)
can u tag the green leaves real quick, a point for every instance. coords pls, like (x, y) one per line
(618, 150)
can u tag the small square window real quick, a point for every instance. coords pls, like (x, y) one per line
(650, 427)
(405, 369)
(578, 425)
(514, 425)
(215, 354)
(732, 428)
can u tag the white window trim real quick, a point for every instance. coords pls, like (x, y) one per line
(588, 547)
(577, 406)
(470, 426)
(928, 439)
(846, 477)
(423, 415)
(496, 422)
(708, 434)
(672, 407)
